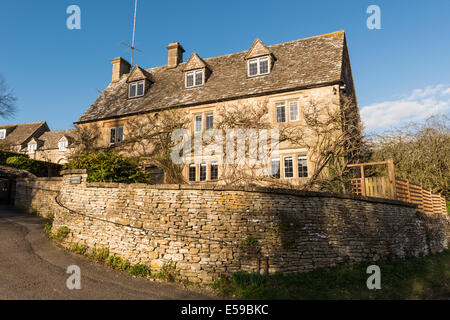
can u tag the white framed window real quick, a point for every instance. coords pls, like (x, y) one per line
(198, 125)
(209, 121)
(115, 134)
(288, 167)
(32, 148)
(214, 171)
(293, 111)
(280, 112)
(302, 166)
(136, 89)
(192, 172)
(194, 78)
(62, 145)
(258, 66)
(275, 167)
(202, 172)
(2, 134)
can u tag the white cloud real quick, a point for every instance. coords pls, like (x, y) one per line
(419, 105)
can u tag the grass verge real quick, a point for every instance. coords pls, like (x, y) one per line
(420, 278)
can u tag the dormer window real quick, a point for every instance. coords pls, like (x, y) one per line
(62, 145)
(258, 66)
(194, 78)
(2, 134)
(136, 89)
(32, 148)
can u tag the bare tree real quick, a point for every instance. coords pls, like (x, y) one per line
(150, 137)
(421, 152)
(85, 139)
(330, 132)
(7, 100)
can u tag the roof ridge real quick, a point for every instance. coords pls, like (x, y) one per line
(22, 124)
(270, 46)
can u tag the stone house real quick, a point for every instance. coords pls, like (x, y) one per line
(51, 146)
(15, 137)
(285, 76)
(37, 141)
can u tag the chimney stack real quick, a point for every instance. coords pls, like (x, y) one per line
(175, 56)
(120, 67)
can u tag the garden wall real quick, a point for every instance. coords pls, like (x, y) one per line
(212, 231)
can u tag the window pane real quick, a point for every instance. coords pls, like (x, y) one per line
(264, 66)
(198, 123)
(120, 134)
(192, 172)
(132, 90)
(189, 79)
(288, 167)
(302, 167)
(140, 89)
(293, 111)
(214, 172)
(199, 78)
(112, 135)
(275, 168)
(209, 121)
(281, 112)
(253, 67)
(202, 171)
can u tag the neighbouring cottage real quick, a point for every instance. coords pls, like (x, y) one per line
(52, 146)
(15, 137)
(37, 141)
(285, 76)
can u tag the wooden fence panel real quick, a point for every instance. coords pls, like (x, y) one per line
(402, 190)
(427, 201)
(415, 192)
(380, 187)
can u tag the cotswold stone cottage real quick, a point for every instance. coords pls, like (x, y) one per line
(286, 76)
(37, 141)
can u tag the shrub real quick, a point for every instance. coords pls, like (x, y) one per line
(100, 254)
(109, 167)
(4, 155)
(38, 168)
(139, 270)
(79, 248)
(48, 229)
(167, 272)
(61, 233)
(117, 263)
(250, 241)
(33, 212)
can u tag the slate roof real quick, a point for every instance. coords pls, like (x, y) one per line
(50, 139)
(17, 134)
(298, 64)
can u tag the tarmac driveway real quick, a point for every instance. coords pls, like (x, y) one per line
(32, 267)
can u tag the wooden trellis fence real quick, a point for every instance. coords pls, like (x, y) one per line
(391, 188)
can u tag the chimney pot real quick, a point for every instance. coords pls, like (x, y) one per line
(175, 54)
(120, 67)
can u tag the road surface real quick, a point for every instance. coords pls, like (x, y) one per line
(32, 267)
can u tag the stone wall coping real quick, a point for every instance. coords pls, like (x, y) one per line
(279, 191)
(43, 179)
(73, 171)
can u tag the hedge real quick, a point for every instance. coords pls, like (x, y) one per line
(109, 167)
(22, 161)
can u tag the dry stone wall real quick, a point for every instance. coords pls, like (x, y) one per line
(210, 231)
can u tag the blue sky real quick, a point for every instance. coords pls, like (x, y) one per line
(401, 72)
